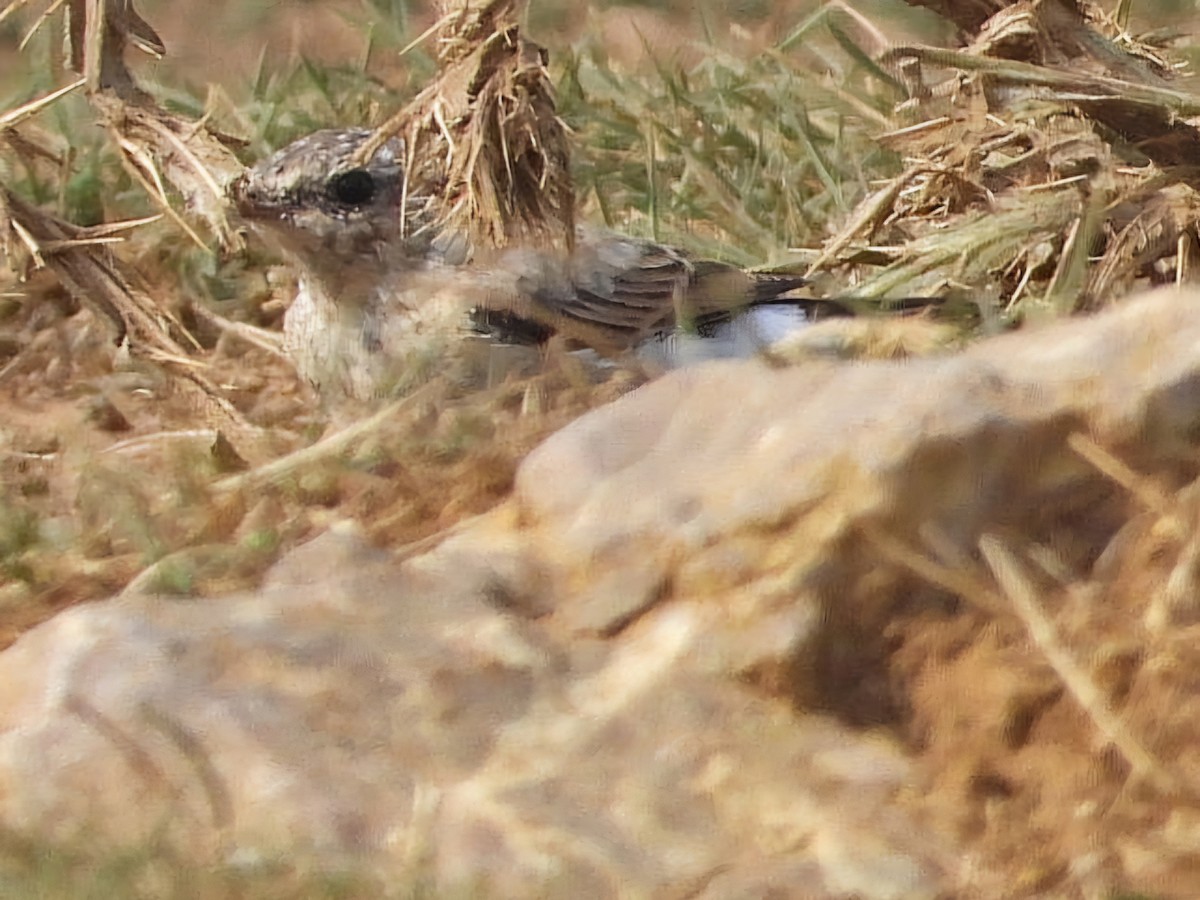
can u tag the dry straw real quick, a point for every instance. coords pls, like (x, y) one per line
(486, 135)
(1049, 167)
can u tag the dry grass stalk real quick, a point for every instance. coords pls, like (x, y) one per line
(160, 149)
(1023, 597)
(13, 117)
(1018, 595)
(957, 580)
(31, 238)
(330, 446)
(98, 32)
(1167, 216)
(1148, 494)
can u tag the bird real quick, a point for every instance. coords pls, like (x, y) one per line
(381, 281)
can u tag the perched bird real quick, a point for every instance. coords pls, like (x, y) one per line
(379, 281)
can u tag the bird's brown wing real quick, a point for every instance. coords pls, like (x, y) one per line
(610, 293)
(632, 288)
(613, 291)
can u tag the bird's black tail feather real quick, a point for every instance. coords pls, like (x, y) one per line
(769, 286)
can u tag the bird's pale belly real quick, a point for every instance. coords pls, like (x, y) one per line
(401, 338)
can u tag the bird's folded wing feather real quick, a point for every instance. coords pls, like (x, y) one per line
(613, 292)
(610, 292)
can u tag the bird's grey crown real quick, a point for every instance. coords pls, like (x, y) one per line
(302, 174)
(334, 216)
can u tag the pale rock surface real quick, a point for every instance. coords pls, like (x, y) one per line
(361, 713)
(265, 721)
(611, 686)
(762, 488)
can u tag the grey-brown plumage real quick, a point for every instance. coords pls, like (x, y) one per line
(379, 281)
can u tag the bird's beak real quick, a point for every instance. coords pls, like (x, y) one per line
(246, 200)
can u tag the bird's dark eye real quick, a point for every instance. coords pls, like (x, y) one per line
(353, 188)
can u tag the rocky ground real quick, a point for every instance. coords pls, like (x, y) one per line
(887, 629)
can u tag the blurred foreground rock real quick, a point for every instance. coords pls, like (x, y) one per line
(687, 659)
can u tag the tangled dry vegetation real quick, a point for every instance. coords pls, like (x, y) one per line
(486, 134)
(1049, 165)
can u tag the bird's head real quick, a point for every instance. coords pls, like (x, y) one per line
(338, 218)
